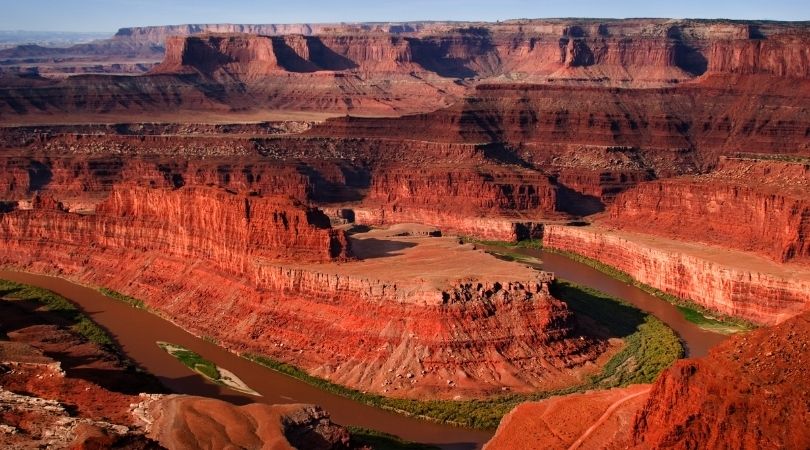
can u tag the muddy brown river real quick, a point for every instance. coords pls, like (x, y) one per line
(137, 331)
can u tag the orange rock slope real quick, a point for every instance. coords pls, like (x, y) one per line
(750, 392)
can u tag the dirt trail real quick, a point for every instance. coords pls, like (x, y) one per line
(605, 416)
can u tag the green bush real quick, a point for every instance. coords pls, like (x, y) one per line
(192, 360)
(124, 298)
(364, 437)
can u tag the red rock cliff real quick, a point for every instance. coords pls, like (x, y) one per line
(202, 223)
(733, 283)
(747, 204)
(381, 324)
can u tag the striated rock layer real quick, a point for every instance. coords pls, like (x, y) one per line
(754, 205)
(470, 326)
(731, 283)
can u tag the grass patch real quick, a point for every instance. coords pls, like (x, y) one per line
(693, 312)
(131, 301)
(62, 307)
(192, 360)
(650, 346)
(364, 437)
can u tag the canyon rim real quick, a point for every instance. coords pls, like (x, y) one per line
(529, 233)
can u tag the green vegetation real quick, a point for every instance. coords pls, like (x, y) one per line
(650, 346)
(505, 254)
(693, 312)
(774, 157)
(364, 437)
(192, 360)
(60, 306)
(528, 243)
(131, 301)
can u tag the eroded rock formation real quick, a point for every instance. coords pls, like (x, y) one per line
(731, 283)
(467, 327)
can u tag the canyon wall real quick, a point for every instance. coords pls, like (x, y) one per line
(393, 70)
(402, 337)
(188, 223)
(731, 283)
(753, 205)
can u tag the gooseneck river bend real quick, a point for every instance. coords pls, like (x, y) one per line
(137, 331)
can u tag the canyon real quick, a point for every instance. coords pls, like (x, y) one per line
(318, 195)
(710, 401)
(62, 391)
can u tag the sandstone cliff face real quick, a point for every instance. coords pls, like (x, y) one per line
(760, 206)
(489, 202)
(750, 392)
(736, 284)
(783, 56)
(189, 223)
(462, 336)
(399, 69)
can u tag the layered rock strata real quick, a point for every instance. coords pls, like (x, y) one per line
(748, 204)
(393, 70)
(381, 324)
(732, 283)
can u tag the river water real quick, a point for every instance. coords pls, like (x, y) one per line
(137, 331)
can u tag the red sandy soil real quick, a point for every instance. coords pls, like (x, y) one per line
(591, 420)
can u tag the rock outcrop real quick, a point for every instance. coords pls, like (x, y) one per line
(472, 325)
(750, 392)
(187, 422)
(748, 204)
(728, 282)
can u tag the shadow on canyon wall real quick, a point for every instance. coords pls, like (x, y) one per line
(577, 203)
(370, 248)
